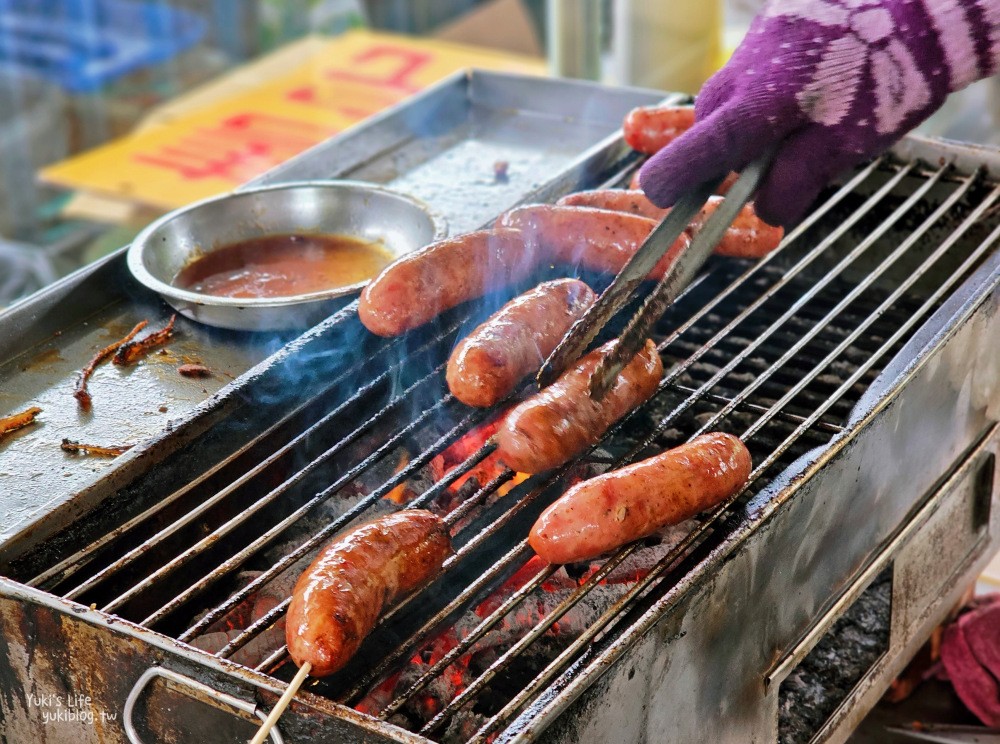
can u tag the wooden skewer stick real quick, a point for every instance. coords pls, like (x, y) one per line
(283, 702)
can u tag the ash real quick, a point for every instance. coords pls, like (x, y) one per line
(838, 662)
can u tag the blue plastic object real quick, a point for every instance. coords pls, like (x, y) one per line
(83, 45)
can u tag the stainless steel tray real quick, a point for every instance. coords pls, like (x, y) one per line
(440, 146)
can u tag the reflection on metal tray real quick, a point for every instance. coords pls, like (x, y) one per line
(440, 146)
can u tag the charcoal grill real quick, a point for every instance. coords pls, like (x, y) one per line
(858, 362)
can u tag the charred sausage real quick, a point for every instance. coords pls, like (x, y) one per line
(597, 239)
(418, 287)
(338, 599)
(617, 200)
(748, 237)
(512, 343)
(561, 421)
(650, 128)
(613, 509)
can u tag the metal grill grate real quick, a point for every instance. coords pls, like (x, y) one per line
(777, 352)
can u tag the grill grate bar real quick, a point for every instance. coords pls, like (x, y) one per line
(466, 507)
(856, 292)
(544, 625)
(791, 418)
(412, 467)
(487, 624)
(802, 301)
(556, 666)
(916, 316)
(528, 639)
(240, 519)
(520, 552)
(394, 657)
(70, 565)
(204, 506)
(742, 280)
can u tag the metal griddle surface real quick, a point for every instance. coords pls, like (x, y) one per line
(440, 146)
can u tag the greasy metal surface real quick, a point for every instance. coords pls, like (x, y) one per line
(442, 148)
(930, 575)
(66, 672)
(439, 146)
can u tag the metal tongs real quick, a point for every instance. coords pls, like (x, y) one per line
(678, 277)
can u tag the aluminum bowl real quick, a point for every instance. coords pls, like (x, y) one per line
(401, 223)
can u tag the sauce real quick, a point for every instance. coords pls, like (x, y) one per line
(284, 265)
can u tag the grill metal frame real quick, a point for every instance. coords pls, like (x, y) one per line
(691, 573)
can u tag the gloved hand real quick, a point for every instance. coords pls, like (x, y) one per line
(829, 84)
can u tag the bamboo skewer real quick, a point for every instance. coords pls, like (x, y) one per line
(283, 702)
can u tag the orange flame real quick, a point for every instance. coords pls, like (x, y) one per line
(400, 494)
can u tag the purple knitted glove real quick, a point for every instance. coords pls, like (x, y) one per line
(829, 84)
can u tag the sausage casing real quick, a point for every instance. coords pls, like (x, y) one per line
(338, 599)
(615, 508)
(561, 421)
(650, 128)
(419, 286)
(748, 237)
(486, 365)
(598, 239)
(633, 201)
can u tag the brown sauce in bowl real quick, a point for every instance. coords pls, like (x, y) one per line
(284, 265)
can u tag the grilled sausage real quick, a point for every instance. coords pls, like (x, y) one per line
(613, 509)
(597, 239)
(338, 599)
(418, 287)
(748, 237)
(650, 128)
(561, 421)
(617, 200)
(513, 342)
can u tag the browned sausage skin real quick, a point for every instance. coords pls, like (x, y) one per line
(614, 509)
(748, 237)
(617, 200)
(648, 129)
(598, 239)
(418, 287)
(558, 423)
(512, 343)
(339, 598)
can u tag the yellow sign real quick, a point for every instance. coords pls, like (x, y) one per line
(223, 145)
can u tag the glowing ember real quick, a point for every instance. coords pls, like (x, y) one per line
(401, 493)
(466, 447)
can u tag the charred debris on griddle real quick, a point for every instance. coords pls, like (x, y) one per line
(81, 393)
(131, 351)
(18, 420)
(96, 450)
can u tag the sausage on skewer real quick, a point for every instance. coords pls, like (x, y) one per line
(338, 599)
